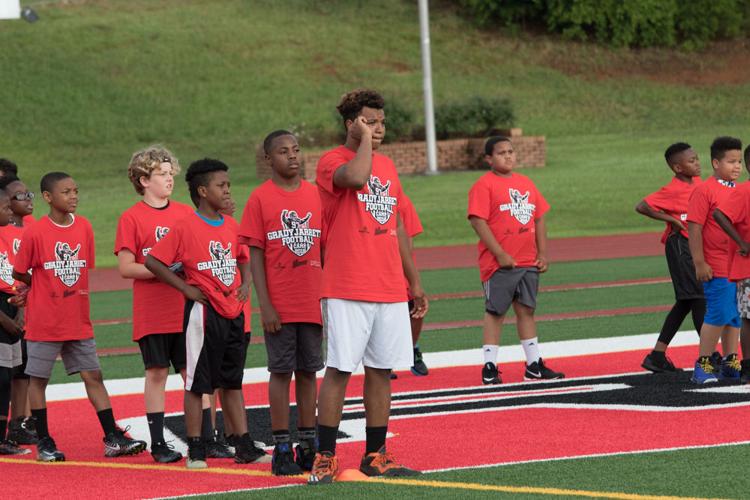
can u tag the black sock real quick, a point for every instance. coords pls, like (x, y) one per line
(375, 438)
(674, 319)
(658, 355)
(306, 433)
(3, 427)
(207, 429)
(107, 420)
(40, 418)
(156, 426)
(281, 436)
(327, 436)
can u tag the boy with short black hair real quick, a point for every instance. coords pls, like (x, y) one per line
(506, 210)
(59, 249)
(282, 225)
(206, 244)
(733, 216)
(157, 307)
(7, 167)
(670, 204)
(709, 246)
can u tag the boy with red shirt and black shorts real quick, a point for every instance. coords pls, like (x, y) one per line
(282, 225)
(709, 246)
(733, 216)
(59, 249)
(366, 254)
(206, 244)
(670, 204)
(157, 307)
(507, 212)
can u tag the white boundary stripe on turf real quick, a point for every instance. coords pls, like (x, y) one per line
(466, 357)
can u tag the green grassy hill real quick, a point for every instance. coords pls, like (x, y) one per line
(92, 81)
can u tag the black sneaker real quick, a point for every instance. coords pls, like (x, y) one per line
(11, 448)
(538, 371)
(419, 369)
(218, 449)
(282, 463)
(246, 452)
(490, 374)
(745, 372)
(716, 360)
(305, 454)
(165, 453)
(659, 364)
(22, 431)
(117, 444)
(46, 451)
(196, 458)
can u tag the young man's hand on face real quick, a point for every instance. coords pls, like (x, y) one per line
(359, 128)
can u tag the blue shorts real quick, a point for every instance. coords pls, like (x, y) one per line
(721, 303)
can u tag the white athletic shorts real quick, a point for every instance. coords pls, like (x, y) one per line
(377, 334)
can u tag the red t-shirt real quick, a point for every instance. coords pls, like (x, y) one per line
(362, 259)
(209, 256)
(412, 226)
(157, 307)
(672, 199)
(11, 236)
(737, 208)
(60, 259)
(510, 205)
(287, 225)
(703, 201)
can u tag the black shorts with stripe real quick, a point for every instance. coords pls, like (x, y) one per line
(216, 349)
(160, 350)
(681, 268)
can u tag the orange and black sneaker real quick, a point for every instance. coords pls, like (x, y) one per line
(324, 469)
(381, 463)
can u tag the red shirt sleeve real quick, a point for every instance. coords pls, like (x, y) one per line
(479, 200)
(327, 166)
(659, 200)
(25, 257)
(409, 217)
(542, 207)
(169, 249)
(125, 236)
(91, 245)
(698, 207)
(735, 206)
(243, 254)
(252, 228)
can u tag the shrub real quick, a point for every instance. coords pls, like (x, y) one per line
(474, 117)
(399, 121)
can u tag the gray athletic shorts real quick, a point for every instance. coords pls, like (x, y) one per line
(77, 356)
(297, 346)
(507, 285)
(10, 355)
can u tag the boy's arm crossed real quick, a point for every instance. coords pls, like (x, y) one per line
(268, 315)
(129, 268)
(163, 273)
(643, 208)
(410, 270)
(541, 245)
(729, 228)
(703, 271)
(485, 235)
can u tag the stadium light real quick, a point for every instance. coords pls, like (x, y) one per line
(429, 110)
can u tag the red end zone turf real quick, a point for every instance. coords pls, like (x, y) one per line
(531, 430)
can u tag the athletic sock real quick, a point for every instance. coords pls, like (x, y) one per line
(531, 349)
(207, 429)
(156, 426)
(306, 433)
(327, 436)
(490, 353)
(40, 421)
(281, 436)
(107, 420)
(375, 438)
(3, 428)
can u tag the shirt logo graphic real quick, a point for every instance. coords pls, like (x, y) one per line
(16, 246)
(296, 233)
(378, 202)
(159, 233)
(6, 270)
(66, 265)
(519, 206)
(222, 265)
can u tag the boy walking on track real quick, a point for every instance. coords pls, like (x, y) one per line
(507, 212)
(365, 311)
(282, 225)
(670, 204)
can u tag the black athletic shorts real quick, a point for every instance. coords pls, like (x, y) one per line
(297, 346)
(216, 349)
(681, 268)
(160, 350)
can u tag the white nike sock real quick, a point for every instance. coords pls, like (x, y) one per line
(490, 353)
(531, 349)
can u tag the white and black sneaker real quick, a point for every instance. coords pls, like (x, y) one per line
(117, 444)
(21, 430)
(10, 448)
(247, 452)
(490, 374)
(196, 458)
(46, 451)
(538, 371)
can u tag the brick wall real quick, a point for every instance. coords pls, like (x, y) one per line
(411, 157)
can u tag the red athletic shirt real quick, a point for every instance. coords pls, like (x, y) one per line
(737, 208)
(60, 259)
(287, 225)
(157, 307)
(209, 255)
(703, 201)
(510, 205)
(362, 260)
(11, 236)
(672, 199)
(412, 225)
